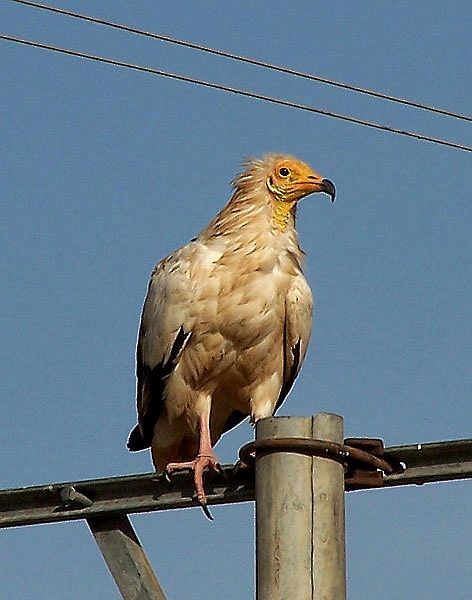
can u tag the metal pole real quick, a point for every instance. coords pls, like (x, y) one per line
(329, 537)
(283, 514)
(300, 535)
(125, 558)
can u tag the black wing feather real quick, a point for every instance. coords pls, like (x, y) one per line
(292, 375)
(234, 419)
(154, 379)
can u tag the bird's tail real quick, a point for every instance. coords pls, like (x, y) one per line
(136, 441)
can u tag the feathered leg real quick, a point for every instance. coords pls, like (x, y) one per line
(206, 458)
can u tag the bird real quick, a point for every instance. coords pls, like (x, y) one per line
(226, 321)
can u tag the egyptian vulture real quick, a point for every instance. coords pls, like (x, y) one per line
(226, 321)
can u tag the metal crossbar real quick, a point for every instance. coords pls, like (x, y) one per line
(424, 463)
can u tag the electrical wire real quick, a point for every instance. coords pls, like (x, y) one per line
(233, 90)
(251, 61)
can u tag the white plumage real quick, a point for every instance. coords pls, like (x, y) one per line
(226, 320)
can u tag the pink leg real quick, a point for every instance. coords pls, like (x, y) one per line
(204, 459)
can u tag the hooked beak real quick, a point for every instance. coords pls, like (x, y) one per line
(315, 183)
(328, 188)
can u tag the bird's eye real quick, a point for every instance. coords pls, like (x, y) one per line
(284, 172)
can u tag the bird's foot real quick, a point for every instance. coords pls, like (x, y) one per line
(199, 465)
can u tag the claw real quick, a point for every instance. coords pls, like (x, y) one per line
(239, 466)
(236, 468)
(219, 469)
(205, 509)
(198, 466)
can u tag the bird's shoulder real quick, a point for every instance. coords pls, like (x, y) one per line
(186, 260)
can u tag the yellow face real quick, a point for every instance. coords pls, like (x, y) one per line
(293, 179)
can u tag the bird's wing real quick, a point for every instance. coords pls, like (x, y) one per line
(165, 329)
(297, 331)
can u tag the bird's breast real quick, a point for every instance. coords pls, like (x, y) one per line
(238, 314)
(238, 323)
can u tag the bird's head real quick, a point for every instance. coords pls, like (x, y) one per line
(281, 179)
(289, 180)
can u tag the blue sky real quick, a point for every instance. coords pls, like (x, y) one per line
(105, 170)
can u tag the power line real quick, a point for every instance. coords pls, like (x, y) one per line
(244, 59)
(241, 92)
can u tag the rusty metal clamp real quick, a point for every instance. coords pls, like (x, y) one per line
(362, 458)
